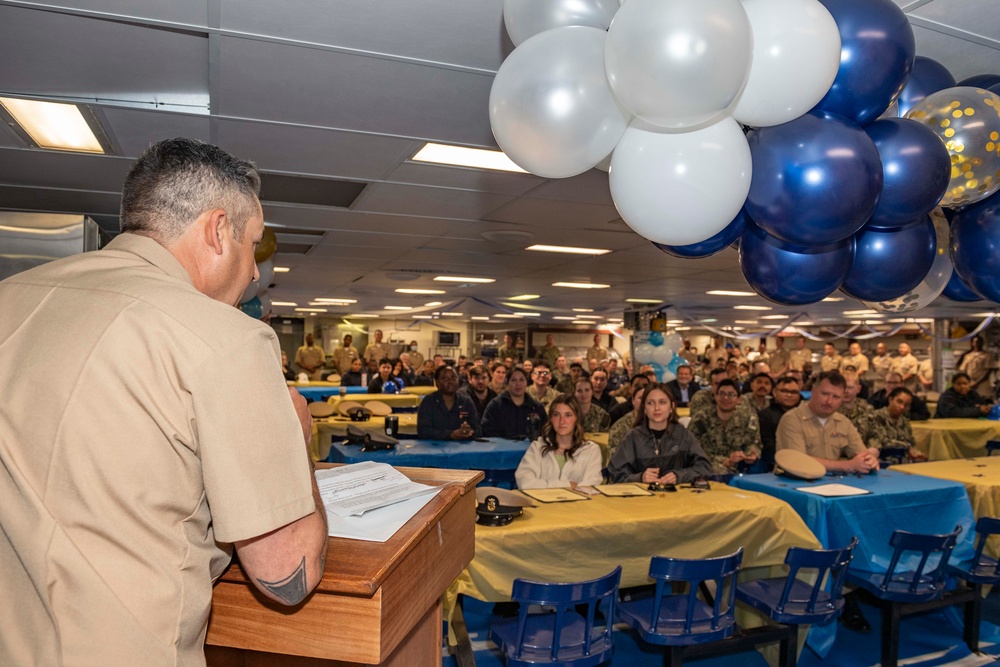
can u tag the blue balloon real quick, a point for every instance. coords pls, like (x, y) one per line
(656, 339)
(253, 308)
(711, 246)
(927, 76)
(657, 368)
(676, 363)
(876, 54)
(888, 263)
(916, 170)
(975, 247)
(981, 80)
(789, 274)
(957, 290)
(816, 179)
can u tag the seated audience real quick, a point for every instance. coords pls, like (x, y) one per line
(786, 396)
(352, 378)
(568, 384)
(855, 408)
(602, 396)
(478, 390)
(425, 378)
(684, 387)
(760, 392)
(528, 365)
(635, 386)
(730, 437)
(285, 370)
(960, 401)
(498, 376)
(624, 425)
(658, 450)
(507, 415)
(880, 399)
(397, 372)
(704, 401)
(889, 427)
(540, 389)
(593, 418)
(384, 375)
(447, 414)
(561, 457)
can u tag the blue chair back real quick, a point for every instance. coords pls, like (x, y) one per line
(565, 597)
(984, 566)
(826, 562)
(928, 576)
(722, 571)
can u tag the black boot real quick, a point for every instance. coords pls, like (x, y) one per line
(851, 617)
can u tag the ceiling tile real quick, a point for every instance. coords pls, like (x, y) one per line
(419, 173)
(547, 213)
(433, 202)
(590, 187)
(136, 129)
(78, 171)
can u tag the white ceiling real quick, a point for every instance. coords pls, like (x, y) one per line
(349, 90)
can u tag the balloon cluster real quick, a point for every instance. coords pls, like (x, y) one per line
(660, 353)
(773, 124)
(256, 302)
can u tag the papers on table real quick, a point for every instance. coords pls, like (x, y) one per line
(553, 495)
(622, 490)
(354, 489)
(833, 490)
(377, 525)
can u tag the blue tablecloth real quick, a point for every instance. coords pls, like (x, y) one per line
(896, 501)
(494, 454)
(323, 393)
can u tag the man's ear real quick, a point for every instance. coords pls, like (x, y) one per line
(215, 226)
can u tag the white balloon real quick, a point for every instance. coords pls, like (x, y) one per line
(527, 18)
(662, 355)
(644, 353)
(673, 342)
(891, 112)
(265, 303)
(667, 376)
(677, 63)
(250, 292)
(551, 109)
(796, 55)
(936, 280)
(605, 164)
(679, 189)
(266, 271)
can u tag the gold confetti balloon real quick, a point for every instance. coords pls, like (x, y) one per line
(968, 122)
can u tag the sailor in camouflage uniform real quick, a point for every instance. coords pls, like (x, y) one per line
(858, 410)
(889, 427)
(729, 442)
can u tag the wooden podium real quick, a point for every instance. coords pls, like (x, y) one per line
(378, 603)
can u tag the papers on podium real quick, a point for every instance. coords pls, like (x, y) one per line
(370, 501)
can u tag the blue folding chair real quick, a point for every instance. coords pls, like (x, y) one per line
(980, 571)
(992, 446)
(564, 636)
(791, 601)
(900, 593)
(689, 627)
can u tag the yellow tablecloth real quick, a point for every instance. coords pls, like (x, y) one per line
(981, 477)
(598, 438)
(313, 383)
(683, 412)
(944, 439)
(392, 400)
(325, 429)
(419, 390)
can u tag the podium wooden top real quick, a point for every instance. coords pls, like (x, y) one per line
(356, 567)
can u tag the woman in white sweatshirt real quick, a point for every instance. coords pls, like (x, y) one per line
(560, 457)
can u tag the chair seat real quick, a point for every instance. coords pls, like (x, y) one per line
(537, 646)
(765, 594)
(984, 573)
(898, 589)
(638, 614)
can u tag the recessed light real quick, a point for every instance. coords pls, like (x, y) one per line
(524, 297)
(803, 324)
(310, 310)
(583, 310)
(745, 321)
(446, 314)
(589, 317)
(53, 125)
(587, 322)
(751, 307)
(480, 319)
(709, 320)
(670, 322)
(422, 317)
(985, 315)
(409, 290)
(460, 156)
(563, 317)
(643, 300)
(833, 299)
(281, 269)
(362, 316)
(683, 329)
(530, 314)
(852, 313)
(572, 250)
(333, 299)
(398, 308)
(508, 316)
(726, 292)
(582, 285)
(431, 304)
(290, 304)
(463, 279)
(774, 317)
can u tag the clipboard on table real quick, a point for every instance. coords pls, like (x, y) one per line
(554, 495)
(622, 490)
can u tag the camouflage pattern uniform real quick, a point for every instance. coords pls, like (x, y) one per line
(741, 432)
(546, 400)
(702, 401)
(618, 431)
(748, 400)
(860, 415)
(597, 420)
(884, 431)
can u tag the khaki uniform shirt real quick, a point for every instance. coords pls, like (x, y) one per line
(144, 427)
(416, 361)
(801, 430)
(828, 363)
(797, 359)
(688, 355)
(880, 365)
(741, 432)
(713, 354)
(859, 361)
(907, 365)
(378, 352)
(343, 356)
(313, 356)
(597, 352)
(779, 360)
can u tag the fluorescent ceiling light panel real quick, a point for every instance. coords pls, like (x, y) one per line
(774, 317)
(422, 317)
(530, 314)
(413, 290)
(480, 319)
(524, 297)
(582, 285)
(53, 125)
(431, 304)
(571, 250)
(361, 316)
(460, 156)
(588, 317)
(398, 308)
(751, 307)
(643, 300)
(587, 322)
(463, 279)
(726, 292)
(281, 269)
(333, 299)
(833, 299)
(850, 313)
(508, 316)
(745, 321)
(583, 310)
(290, 304)
(683, 328)
(563, 317)
(445, 314)
(310, 310)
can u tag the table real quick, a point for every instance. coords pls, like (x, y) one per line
(378, 603)
(896, 501)
(981, 477)
(954, 438)
(419, 390)
(325, 430)
(583, 540)
(395, 401)
(493, 454)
